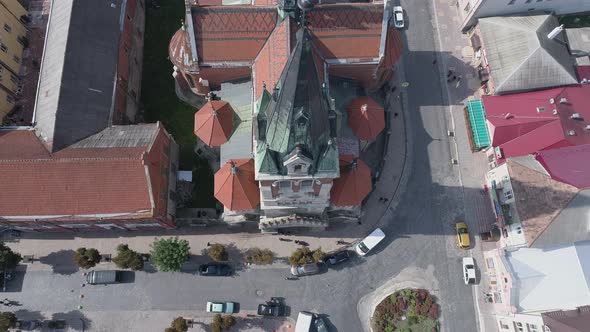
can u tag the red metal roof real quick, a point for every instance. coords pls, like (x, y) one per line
(244, 28)
(366, 118)
(235, 186)
(570, 165)
(214, 122)
(180, 52)
(354, 183)
(525, 123)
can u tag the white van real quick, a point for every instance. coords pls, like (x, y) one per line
(368, 243)
(304, 321)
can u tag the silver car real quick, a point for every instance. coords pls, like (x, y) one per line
(305, 270)
(398, 17)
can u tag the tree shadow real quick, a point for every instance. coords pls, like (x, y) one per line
(62, 262)
(75, 319)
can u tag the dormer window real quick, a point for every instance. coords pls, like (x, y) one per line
(298, 168)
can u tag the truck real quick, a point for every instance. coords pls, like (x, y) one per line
(304, 320)
(103, 277)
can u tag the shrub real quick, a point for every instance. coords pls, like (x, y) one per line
(228, 321)
(7, 321)
(305, 256)
(8, 258)
(127, 258)
(433, 311)
(169, 254)
(217, 252)
(259, 256)
(179, 325)
(86, 258)
(216, 323)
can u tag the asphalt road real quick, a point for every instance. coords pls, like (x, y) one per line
(419, 233)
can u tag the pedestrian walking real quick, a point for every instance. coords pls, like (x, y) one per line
(386, 200)
(208, 244)
(296, 241)
(434, 61)
(380, 199)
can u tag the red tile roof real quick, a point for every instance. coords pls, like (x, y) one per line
(271, 60)
(79, 181)
(366, 118)
(570, 165)
(354, 183)
(245, 28)
(180, 52)
(214, 122)
(235, 186)
(525, 123)
(351, 30)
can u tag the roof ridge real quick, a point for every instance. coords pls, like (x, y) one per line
(65, 159)
(535, 129)
(514, 70)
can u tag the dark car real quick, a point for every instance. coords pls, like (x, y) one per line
(28, 325)
(320, 324)
(337, 258)
(274, 307)
(215, 269)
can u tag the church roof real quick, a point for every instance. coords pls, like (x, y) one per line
(366, 117)
(214, 122)
(354, 183)
(235, 186)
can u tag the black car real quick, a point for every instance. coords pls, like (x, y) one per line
(320, 324)
(337, 258)
(274, 307)
(215, 269)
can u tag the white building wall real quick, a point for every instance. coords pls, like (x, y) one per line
(487, 8)
(520, 323)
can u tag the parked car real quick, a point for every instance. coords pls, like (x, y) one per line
(221, 307)
(215, 269)
(370, 242)
(305, 269)
(320, 324)
(469, 271)
(398, 17)
(28, 325)
(103, 277)
(463, 241)
(304, 321)
(337, 257)
(274, 307)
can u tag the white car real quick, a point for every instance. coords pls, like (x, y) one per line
(469, 271)
(220, 307)
(398, 17)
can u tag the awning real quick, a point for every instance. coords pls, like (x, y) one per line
(477, 118)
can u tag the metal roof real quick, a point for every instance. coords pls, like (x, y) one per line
(477, 118)
(520, 55)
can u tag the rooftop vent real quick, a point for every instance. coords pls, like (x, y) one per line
(571, 133)
(562, 100)
(552, 101)
(576, 116)
(540, 109)
(555, 112)
(508, 116)
(587, 127)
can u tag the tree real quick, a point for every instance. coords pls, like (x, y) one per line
(87, 258)
(228, 321)
(8, 258)
(127, 258)
(216, 323)
(259, 256)
(217, 252)
(168, 255)
(305, 256)
(178, 325)
(7, 320)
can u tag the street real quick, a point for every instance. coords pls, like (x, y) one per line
(420, 230)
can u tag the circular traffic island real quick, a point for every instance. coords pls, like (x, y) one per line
(407, 310)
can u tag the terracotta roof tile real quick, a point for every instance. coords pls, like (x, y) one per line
(271, 60)
(180, 53)
(235, 186)
(350, 30)
(366, 118)
(245, 28)
(21, 144)
(354, 183)
(214, 122)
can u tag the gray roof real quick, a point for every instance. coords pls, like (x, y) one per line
(130, 136)
(578, 40)
(77, 79)
(571, 225)
(520, 55)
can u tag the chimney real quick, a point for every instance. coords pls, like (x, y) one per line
(562, 100)
(555, 32)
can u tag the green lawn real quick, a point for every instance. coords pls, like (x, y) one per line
(160, 101)
(575, 21)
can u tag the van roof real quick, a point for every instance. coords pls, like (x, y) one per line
(375, 237)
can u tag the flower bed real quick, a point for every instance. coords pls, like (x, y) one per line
(407, 310)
